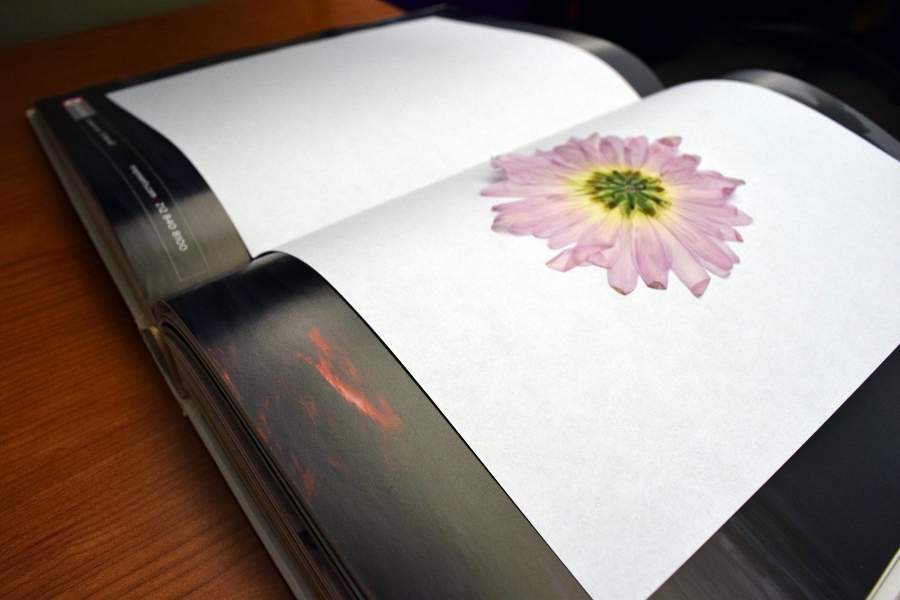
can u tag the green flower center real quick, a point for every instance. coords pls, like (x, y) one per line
(629, 191)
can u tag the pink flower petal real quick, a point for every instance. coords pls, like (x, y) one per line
(701, 246)
(622, 274)
(562, 261)
(611, 148)
(591, 150)
(682, 166)
(570, 234)
(512, 189)
(576, 256)
(661, 152)
(635, 152)
(686, 267)
(653, 259)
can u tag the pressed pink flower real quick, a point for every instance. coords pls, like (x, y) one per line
(629, 206)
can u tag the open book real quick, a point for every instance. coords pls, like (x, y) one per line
(410, 401)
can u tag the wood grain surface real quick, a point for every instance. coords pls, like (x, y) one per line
(105, 489)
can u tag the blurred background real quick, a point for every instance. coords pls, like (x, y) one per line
(849, 48)
(25, 20)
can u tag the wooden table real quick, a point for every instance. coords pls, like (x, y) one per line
(105, 489)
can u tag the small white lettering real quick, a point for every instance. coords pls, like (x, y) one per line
(107, 139)
(142, 180)
(172, 226)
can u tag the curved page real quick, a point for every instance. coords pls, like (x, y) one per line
(298, 138)
(628, 429)
(335, 439)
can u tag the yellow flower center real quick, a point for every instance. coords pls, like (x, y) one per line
(626, 190)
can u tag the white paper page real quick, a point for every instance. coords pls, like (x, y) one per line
(628, 429)
(298, 138)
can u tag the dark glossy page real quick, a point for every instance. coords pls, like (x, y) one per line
(142, 200)
(387, 489)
